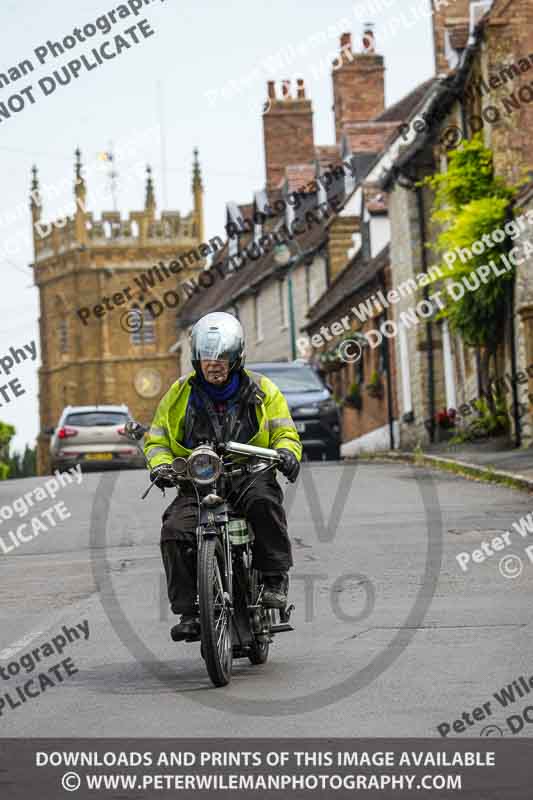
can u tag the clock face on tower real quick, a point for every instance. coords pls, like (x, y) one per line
(148, 382)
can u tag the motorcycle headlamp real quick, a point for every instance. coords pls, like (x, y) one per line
(204, 466)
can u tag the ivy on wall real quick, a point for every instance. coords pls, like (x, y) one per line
(471, 202)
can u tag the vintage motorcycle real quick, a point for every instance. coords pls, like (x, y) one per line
(233, 621)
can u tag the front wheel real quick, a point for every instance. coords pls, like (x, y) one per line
(215, 614)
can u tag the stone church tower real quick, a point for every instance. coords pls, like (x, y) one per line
(101, 340)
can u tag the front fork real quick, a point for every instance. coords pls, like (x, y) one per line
(214, 523)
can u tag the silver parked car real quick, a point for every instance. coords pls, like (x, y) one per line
(93, 437)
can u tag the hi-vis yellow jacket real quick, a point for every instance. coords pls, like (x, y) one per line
(276, 428)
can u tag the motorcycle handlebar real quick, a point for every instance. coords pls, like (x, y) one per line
(231, 447)
(251, 450)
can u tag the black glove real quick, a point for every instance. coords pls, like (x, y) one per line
(163, 476)
(289, 464)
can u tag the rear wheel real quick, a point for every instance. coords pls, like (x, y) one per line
(215, 614)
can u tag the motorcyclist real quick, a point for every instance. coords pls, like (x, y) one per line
(218, 402)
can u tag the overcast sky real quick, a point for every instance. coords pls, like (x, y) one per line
(176, 77)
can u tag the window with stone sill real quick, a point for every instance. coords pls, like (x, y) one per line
(146, 332)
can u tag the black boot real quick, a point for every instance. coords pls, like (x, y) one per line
(275, 590)
(187, 629)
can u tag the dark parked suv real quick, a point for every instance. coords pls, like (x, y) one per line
(311, 403)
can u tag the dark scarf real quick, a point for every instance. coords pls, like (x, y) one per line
(220, 394)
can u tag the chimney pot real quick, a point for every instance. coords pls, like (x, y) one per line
(346, 40)
(271, 90)
(369, 38)
(301, 88)
(286, 89)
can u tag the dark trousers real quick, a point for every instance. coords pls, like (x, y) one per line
(261, 505)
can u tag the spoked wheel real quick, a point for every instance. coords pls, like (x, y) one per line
(215, 615)
(258, 653)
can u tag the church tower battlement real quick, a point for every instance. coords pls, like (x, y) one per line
(120, 352)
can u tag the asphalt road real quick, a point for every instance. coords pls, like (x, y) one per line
(391, 638)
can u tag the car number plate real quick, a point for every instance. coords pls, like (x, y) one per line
(98, 456)
(300, 427)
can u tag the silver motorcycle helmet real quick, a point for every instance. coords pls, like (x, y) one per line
(218, 336)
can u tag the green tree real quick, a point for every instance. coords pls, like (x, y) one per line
(29, 462)
(23, 465)
(6, 434)
(471, 201)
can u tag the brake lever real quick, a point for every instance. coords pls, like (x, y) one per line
(153, 483)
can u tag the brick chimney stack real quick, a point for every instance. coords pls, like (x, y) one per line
(358, 82)
(449, 23)
(287, 130)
